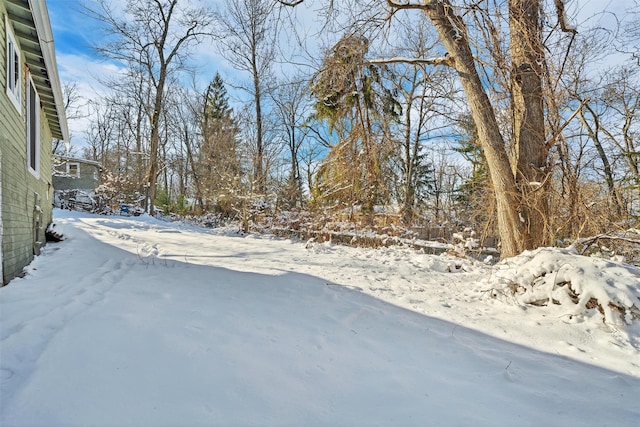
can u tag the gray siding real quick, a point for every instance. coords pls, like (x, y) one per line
(23, 223)
(88, 180)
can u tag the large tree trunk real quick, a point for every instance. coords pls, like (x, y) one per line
(529, 145)
(452, 32)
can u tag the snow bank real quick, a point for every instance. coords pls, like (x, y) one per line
(561, 277)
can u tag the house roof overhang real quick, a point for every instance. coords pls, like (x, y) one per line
(32, 28)
(77, 160)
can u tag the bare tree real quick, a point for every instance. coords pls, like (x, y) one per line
(188, 112)
(247, 36)
(621, 95)
(153, 37)
(292, 107)
(72, 107)
(426, 93)
(518, 170)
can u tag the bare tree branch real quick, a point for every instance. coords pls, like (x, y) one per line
(409, 5)
(562, 18)
(442, 60)
(290, 3)
(553, 139)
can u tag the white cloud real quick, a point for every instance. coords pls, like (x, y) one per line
(86, 73)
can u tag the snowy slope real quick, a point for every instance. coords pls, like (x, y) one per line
(134, 322)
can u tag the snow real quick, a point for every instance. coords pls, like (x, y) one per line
(137, 322)
(562, 278)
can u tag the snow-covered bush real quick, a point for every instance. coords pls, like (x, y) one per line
(208, 220)
(117, 189)
(561, 277)
(464, 242)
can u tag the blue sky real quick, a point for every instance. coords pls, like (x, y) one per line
(70, 29)
(74, 34)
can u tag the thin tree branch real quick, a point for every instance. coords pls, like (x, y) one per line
(553, 139)
(290, 3)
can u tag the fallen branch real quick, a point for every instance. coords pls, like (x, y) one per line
(590, 241)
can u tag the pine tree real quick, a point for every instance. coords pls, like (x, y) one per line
(219, 151)
(217, 101)
(421, 186)
(473, 198)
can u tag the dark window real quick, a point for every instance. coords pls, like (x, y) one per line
(33, 129)
(13, 70)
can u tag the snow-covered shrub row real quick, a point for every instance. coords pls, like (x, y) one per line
(350, 228)
(561, 277)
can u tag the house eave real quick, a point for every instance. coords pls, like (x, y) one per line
(77, 160)
(32, 28)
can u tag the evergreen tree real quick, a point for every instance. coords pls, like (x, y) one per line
(421, 186)
(473, 199)
(217, 101)
(219, 150)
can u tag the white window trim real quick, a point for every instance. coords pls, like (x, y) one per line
(77, 174)
(14, 89)
(34, 171)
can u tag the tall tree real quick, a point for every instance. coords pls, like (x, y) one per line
(518, 168)
(621, 96)
(425, 93)
(247, 39)
(153, 37)
(292, 105)
(218, 152)
(355, 100)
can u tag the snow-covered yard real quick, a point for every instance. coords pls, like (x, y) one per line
(136, 322)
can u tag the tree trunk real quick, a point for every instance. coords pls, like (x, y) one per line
(529, 144)
(194, 169)
(409, 161)
(257, 94)
(452, 32)
(608, 173)
(152, 170)
(140, 170)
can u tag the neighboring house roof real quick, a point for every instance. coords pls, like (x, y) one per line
(76, 160)
(32, 28)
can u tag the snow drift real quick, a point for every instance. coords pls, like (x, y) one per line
(580, 284)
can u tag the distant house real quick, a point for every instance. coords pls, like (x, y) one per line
(31, 115)
(74, 181)
(70, 173)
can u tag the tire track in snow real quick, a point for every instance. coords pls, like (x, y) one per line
(21, 352)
